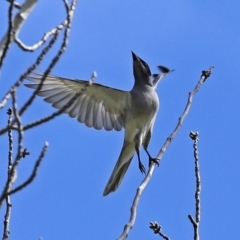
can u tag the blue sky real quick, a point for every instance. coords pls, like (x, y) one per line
(65, 201)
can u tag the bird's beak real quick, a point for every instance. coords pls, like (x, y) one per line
(135, 57)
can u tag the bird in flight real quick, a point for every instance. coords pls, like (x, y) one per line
(104, 107)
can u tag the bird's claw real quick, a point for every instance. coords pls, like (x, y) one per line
(153, 160)
(142, 168)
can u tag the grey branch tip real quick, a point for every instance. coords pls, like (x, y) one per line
(155, 227)
(193, 135)
(25, 153)
(207, 73)
(9, 111)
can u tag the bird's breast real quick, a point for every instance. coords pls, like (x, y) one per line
(142, 112)
(144, 103)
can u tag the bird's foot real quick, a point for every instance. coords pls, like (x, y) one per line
(153, 160)
(142, 168)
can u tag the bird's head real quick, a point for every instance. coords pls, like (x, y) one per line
(141, 70)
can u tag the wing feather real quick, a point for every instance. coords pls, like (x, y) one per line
(89, 116)
(98, 106)
(74, 109)
(99, 121)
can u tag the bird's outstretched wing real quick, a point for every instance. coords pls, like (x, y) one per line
(98, 106)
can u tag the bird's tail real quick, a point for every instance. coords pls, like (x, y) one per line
(120, 168)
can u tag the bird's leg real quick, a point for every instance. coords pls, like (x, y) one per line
(140, 165)
(151, 159)
(138, 140)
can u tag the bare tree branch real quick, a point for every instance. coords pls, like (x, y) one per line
(20, 128)
(55, 32)
(52, 64)
(22, 153)
(15, 25)
(12, 165)
(157, 229)
(17, 84)
(29, 70)
(31, 177)
(195, 222)
(55, 59)
(15, 4)
(5, 43)
(129, 225)
(10, 138)
(15, 122)
(42, 41)
(6, 222)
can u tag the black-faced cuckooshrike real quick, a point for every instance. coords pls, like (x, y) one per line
(104, 107)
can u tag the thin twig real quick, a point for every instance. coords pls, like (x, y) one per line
(6, 45)
(12, 165)
(15, 4)
(157, 229)
(43, 39)
(16, 24)
(6, 191)
(17, 84)
(30, 100)
(66, 5)
(23, 76)
(31, 177)
(6, 223)
(19, 155)
(54, 32)
(10, 138)
(19, 127)
(6, 231)
(129, 225)
(29, 70)
(195, 222)
(55, 59)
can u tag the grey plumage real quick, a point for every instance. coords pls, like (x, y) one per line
(103, 107)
